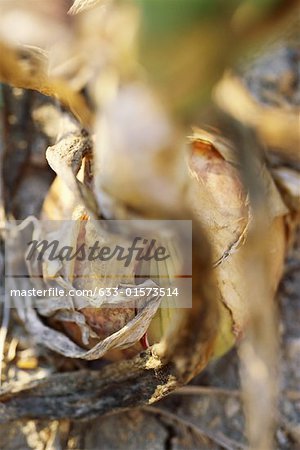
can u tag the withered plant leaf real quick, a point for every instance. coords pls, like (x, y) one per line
(277, 127)
(125, 337)
(26, 67)
(82, 5)
(220, 200)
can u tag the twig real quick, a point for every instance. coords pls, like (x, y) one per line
(214, 390)
(218, 438)
(207, 390)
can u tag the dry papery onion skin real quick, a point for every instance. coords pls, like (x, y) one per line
(218, 199)
(221, 203)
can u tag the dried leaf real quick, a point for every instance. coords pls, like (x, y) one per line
(140, 167)
(278, 127)
(82, 5)
(123, 338)
(288, 181)
(26, 68)
(218, 198)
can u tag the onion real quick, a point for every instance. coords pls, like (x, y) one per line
(218, 199)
